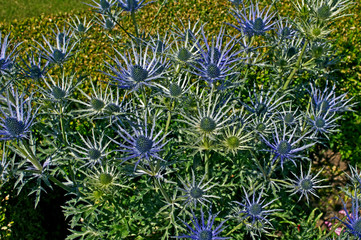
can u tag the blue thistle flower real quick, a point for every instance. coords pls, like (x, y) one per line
(353, 220)
(265, 103)
(285, 146)
(212, 116)
(18, 117)
(203, 230)
(326, 100)
(103, 6)
(290, 117)
(255, 22)
(7, 60)
(61, 90)
(92, 151)
(255, 209)
(196, 192)
(306, 184)
(96, 104)
(132, 5)
(160, 44)
(142, 143)
(214, 65)
(176, 89)
(35, 70)
(61, 51)
(80, 27)
(186, 51)
(285, 30)
(107, 23)
(139, 74)
(263, 125)
(323, 123)
(188, 33)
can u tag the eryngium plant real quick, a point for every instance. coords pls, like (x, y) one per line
(171, 104)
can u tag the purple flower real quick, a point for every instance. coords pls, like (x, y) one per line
(17, 118)
(132, 5)
(215, 62)
(285, 146)
(353, 220)
(254, 22)
(203, 230)
(6, 60)
(142, 143)
(138, 74)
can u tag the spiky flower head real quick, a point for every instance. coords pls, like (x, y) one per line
(196, 192)
(287, 146)
(34, 68)
(262, 125)
(326, 10)
(61, 51)
(102, 6)
(97, 102)
(216, 61)
(103, 179)
(353, 220)
(254, 209)
(254, 21)
(141, 143)
(132, 5)
(306, 184)
(176, 89)
(61, 90)
(285, 30)
(322, 123)
(138, 73)
(204, 230)
(265, 102)
(7, 59)
(236, 138)
(326, 100)
(289, 116)
(160, 44)
(213, 115)
(17, 115)
(92, 151)
(80, 27)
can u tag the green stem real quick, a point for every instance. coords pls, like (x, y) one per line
(169, 113)
(164, 193)
(259, 164)
(297, 66)
(308, 108)
(159, 185)
(331, 231)
(60, 184)
(206, 162)
(135, 26)
(121, 27)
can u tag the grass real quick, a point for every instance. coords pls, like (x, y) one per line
(22, 9)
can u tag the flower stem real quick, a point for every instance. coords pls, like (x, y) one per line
(206, 162)
(60, 184)
(135, 26)
(164, 193)
(169, 113)
(297, 66)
